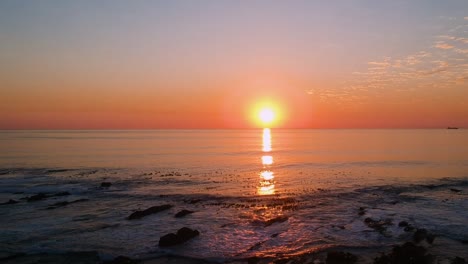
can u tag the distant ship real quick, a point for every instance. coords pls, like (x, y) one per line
(452, 127)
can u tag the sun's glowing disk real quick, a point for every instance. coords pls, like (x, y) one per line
(266, 115)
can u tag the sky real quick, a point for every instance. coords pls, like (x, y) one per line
(114, 64)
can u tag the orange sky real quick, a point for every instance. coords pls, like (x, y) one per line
(207, 65)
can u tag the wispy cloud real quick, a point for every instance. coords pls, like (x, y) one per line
(464, 40)
(442, 65)
(447, 18)
(443, 46)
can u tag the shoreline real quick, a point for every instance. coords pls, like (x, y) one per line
(369, 224)
(408, 252)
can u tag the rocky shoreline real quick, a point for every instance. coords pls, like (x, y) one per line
(415, 242)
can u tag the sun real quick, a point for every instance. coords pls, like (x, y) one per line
(266, 115)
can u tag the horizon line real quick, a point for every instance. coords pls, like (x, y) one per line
(251, 128)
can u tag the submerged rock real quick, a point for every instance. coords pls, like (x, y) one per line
(455, 190)
(419, 235)
(458, 260)
(122, 260)
(403, 224)
(184, 234)
(407, 226)
(278, 219)
(105, 184)
(422, 234)
(42, 196)
(193, 201)
(11, 201)
(37, 197)
(149, 211)
(65, 203)
(362, 211)
(57, 170)
(378, 225)
(70, 258)
(61, 194)
(183, 213)
(338, 257)
(408, 253)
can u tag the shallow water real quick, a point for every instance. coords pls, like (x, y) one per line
(236, 181)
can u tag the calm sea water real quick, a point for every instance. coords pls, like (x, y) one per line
(236, 182)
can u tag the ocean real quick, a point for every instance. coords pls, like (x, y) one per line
(265, 193)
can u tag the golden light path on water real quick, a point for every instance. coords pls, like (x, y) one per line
(267, 178)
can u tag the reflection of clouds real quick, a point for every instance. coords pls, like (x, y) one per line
(442, 65)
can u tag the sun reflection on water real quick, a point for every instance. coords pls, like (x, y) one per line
(267, 178)
(266, 140)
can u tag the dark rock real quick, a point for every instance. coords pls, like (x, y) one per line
(184, 234)
(122, 260)
(59, 170)
(64, 203)
(105, 184)
(362, 211)
(256, 246)
(458, 260)
(286, 261)
(409, 228)
(42, 196)
(253, 260)
(455, 190)
(69, 258)
(408, 253)
(61, 194)
(278, 219)
(420, 235)
(338, 257)
(168, 240)
(149, 211)
(403, 224)
(11, 201)
(274, 235)
(183, 213)
(194, 201)
(430, 238)
(37, 197)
